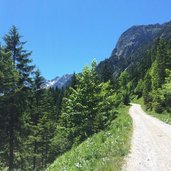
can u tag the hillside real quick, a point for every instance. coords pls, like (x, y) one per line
(140, 66)
(39, 126)
(103, 151)
(132, 45)
(129, 50)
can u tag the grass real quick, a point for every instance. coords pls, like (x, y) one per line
(104, 151)
(165, 116)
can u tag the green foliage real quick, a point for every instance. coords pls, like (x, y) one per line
(102, 151)
(86, 109)
(38, 125)
(28, 113)
(15, 80)
(164, 116)
(160, 78)
(159, 65)
(146, 91)
(106, 72)
(162, 96)
(139, 88)
(8, 75)
(8, 79)
(154, 84)
(20, 56)
(124, 87)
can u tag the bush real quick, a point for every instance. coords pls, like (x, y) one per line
(103, 151)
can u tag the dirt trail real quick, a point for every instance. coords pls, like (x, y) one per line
(151, 143)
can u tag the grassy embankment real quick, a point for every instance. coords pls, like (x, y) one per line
(104, 151)
(165, 116)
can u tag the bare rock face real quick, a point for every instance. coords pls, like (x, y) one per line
(133, 43)
(130, 48)
(134, 37)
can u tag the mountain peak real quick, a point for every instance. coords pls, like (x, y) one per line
(132, 43)
(59, 82)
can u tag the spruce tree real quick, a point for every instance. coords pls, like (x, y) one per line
(147, 90)
(106, 73)
(20, 56)
(18, 100)
(124, 90)
(8, 78)
(159, 66)
(80, 106)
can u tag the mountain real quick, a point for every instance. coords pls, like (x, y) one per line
(132, 44)
(58, 82)
(129, 49)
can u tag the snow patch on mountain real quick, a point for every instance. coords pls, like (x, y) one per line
(59, 82)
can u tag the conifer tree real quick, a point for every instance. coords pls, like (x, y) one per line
(20, 56)
(74, 81)
(124, 92)
(8, 79)
(106, 73)
(146, 91)
(159, 66)
(18, 100)
(80, 107)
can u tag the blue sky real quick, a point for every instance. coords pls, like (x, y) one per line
(66, 35)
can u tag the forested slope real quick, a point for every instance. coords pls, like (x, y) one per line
(28, 113)
(102, 151)
(38, 125)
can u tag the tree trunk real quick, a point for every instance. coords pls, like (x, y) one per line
(34, 158)
(46, 151)
(11, 141)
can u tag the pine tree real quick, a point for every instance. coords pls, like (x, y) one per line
(74, 81)
(80, 106)
(106, 73)
(147, 90)
(159, 66)
(18, 100)
(8, 79)
(106, 106)
(124, 91)
(8, 74)
(20, 56)
(41, 124)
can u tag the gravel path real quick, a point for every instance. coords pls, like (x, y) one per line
(151, 143)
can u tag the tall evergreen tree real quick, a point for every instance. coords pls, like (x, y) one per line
(74, 81)
(124, 90)
(159, 65)
(18, 101)
(106, 73)
(20, 56)
(8, 78)
(80, 107)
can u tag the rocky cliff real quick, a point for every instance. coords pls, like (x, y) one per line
(133, 43)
